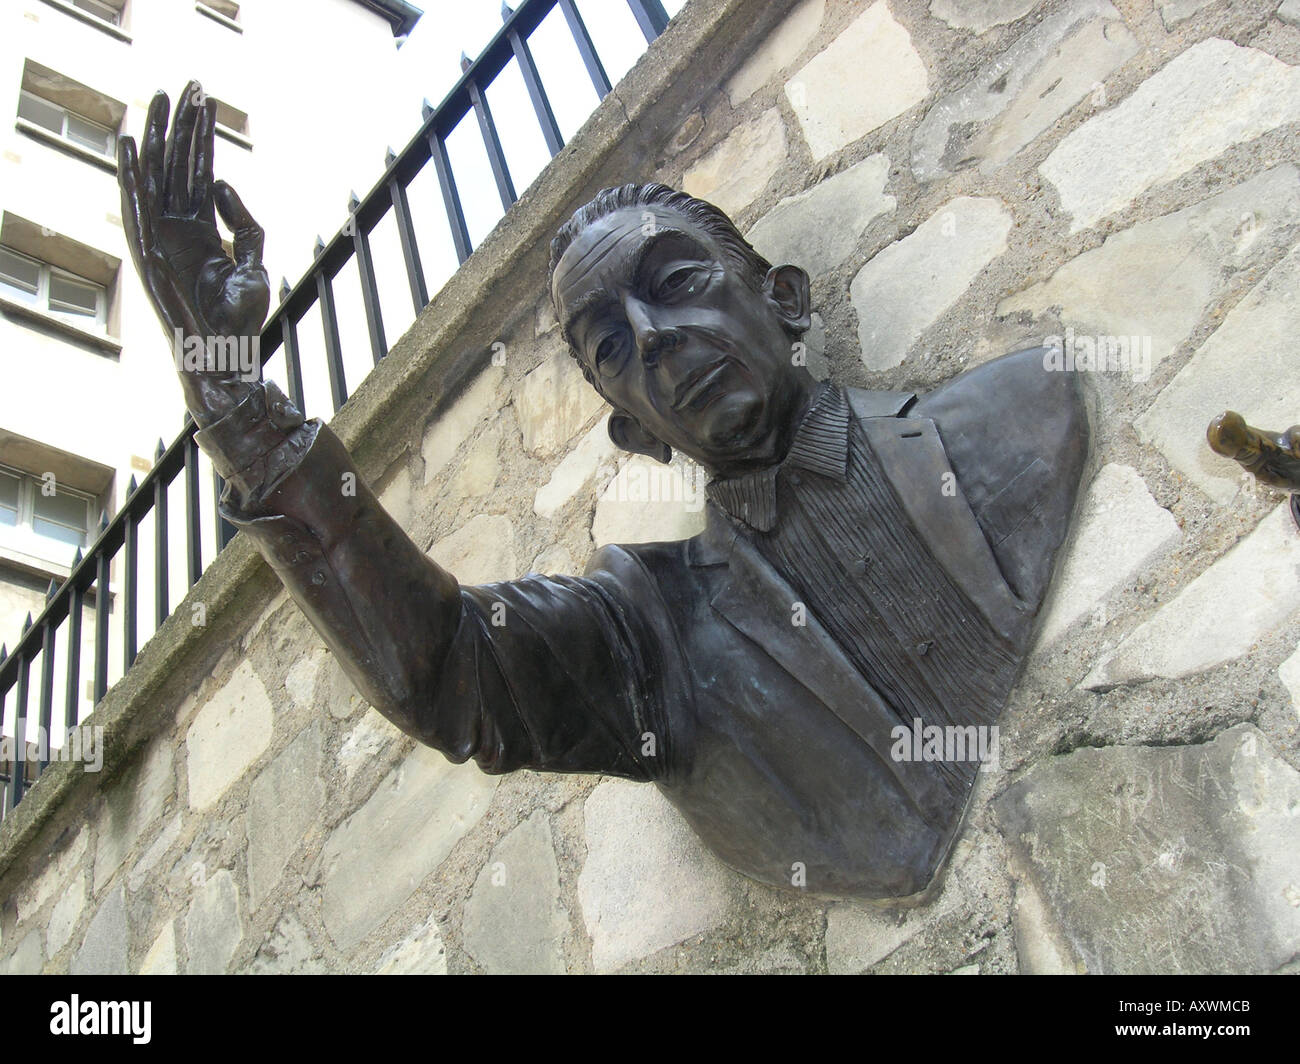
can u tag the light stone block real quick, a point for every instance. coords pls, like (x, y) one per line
(909, 285)
(64, 916)
(514, 922)
(130, 807)
(1023, 91)
(161, 958)
(148, 861)
(377, 858)
(420, 953)
(227, 735)
(300, 681)
(371, 735)
(781, 47)
(1119, 531)
(103, 949)
(214, 926)
(648, 882)
(1289, 12)
(477, 474)
(481, 551)
(1242, 598)
(283, 802)
(55, 876)
(978, 16)
(554, 403)
(595, 456)
(1247, 365)
(1156, 280)
(731, 174)
(1289, 671)
(832, 100)
(1172, 12)
(288, 950)
(648, 502)
(1212, 96)
(453, 426)
(1178, 860)
(28, 958)
(819, 228)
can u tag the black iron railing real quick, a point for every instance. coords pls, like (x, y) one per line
(89, 581)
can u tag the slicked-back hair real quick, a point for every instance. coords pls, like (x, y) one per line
(653, 198)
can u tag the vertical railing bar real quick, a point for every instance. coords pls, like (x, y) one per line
(72, 697)
(46, 717)
(586, 48)
(410, 250)
(16, 778)
(161, 606)
(101, 626)
(293, 367)
(450, 197)
(193, 539)
(130, 584)
(369, 289)
(496, 157)
(333, 354)
(650, 16)
(533, 83)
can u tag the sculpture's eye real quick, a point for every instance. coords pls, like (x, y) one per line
(683, 281)
(608, 353)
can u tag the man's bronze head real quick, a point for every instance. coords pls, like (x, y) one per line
(682, 326)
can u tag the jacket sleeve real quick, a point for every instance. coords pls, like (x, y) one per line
(548, 673)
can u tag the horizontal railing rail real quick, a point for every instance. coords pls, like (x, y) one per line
(90, 581)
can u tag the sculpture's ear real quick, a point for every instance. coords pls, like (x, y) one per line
(627, 433)
(788, 287)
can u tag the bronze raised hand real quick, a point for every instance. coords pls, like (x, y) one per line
(169, 208)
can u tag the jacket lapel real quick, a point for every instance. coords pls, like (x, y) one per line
(911, 455)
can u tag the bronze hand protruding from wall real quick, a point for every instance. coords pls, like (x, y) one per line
(1273, 457)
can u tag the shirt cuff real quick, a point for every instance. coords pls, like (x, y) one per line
(256, 445)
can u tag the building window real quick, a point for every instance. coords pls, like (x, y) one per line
(222, 11)
(57, 292)
(65, 124)
(41, 507)
(232, 123)
(100, 9)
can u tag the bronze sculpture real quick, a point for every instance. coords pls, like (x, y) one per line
(1273, 458)
(872, 566)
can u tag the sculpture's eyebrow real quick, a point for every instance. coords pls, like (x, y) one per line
(601, 297)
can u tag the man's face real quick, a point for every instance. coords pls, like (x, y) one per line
(675, 337)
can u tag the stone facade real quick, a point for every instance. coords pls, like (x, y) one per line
(961, 178)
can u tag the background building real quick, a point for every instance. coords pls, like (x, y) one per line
(86, 391)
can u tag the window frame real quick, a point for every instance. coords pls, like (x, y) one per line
(24, 533)
(62, 134)
(212, 11)
(41, 302)
(115, 22)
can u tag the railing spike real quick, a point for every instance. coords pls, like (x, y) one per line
(426, 110)
(4, 652)
(27, 623)
(506, 12)
(285, 289)
(390, 157)
(160, 450)
(76, 558)
(465, 62)
(52, 590)
(131, 486)
(103, 520)
(320, 246)
(354, 202)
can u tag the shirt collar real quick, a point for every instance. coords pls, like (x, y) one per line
(820, 445)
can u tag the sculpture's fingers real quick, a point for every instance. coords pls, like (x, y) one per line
(204, 149)
(153, 151)
(135, 214)
(249, 237)
(180, 142)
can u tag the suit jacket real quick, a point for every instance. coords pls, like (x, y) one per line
(676, 662)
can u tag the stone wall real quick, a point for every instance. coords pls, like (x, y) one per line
(961, 178)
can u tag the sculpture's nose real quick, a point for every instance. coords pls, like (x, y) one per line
(653, 338)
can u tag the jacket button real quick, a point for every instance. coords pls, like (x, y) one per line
(301, 557)
(861, 566)
(796, 479)
(924, 648)
(318, 578)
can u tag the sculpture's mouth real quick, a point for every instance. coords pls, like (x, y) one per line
(701, 388)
